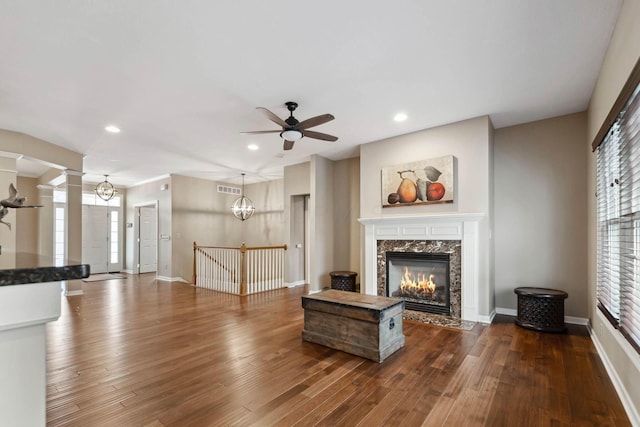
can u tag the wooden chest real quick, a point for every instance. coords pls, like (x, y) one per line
(364, 325)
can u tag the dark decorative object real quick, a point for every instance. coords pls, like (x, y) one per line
(13, 201)
(343, 280)
(541, 309)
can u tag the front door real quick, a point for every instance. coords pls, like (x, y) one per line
(95, 245)
(100, 238)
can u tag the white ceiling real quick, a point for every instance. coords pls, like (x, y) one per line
(182, 78)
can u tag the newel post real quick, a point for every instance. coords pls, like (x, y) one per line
(194, 262)
(243, 269)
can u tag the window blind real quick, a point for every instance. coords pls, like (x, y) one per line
(618, 191)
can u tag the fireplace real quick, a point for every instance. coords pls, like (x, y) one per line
(420, 279)
(439, 252)
(461, 235)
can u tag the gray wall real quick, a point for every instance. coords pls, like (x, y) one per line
(149, 194)
(321, 222)
(540, 233)
(470, 142)
(297, 183)
(346, 210)
(201, 214)
(266, 226)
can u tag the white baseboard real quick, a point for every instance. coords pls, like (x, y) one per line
(507, 311)
(315, 292)
(127, 271)
(171, 279)
(576, 320)
(486, 319)
(73, 293)
(626, 400)
(567, 319)
(296, 283)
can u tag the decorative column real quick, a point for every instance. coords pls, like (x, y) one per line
(73, 226)
(8, 175)
(45, 221)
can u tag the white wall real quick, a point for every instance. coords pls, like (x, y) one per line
(622, 361)
(540, 233)
(470, 143)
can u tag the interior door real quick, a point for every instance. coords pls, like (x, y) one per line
(148, 239)
(95, 240)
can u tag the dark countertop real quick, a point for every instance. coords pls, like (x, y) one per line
(33, 268)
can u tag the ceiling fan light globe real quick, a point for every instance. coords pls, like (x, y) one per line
(291, 135)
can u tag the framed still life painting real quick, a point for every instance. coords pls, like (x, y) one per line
(422, 182)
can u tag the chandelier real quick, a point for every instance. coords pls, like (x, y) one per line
(105, 190)
(242, 207)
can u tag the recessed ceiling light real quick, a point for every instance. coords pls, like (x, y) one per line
(400, 117)
(253, 147)
(112, 129)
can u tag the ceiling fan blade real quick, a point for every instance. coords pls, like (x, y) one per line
(275, 119)
(315, 121)
(288, 145)
(253, 132)
(319, 135)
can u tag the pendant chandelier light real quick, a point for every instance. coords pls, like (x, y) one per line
(105, 190)
(242, 207)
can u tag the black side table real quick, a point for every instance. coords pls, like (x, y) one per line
(343, 280)
(541, 309)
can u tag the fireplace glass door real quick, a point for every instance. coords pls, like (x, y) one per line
(421, 279)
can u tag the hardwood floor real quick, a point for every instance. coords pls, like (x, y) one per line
(139, 352)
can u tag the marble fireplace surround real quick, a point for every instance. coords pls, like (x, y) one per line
(461, 227)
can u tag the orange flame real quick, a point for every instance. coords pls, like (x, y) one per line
(419, 284)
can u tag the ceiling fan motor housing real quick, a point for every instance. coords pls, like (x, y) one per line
(291, 106)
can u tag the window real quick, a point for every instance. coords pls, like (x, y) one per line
(59, 196)
(58, 236)
(92, 199)
(618, 191)
(114, 237)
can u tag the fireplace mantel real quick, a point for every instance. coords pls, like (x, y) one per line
(448, 226)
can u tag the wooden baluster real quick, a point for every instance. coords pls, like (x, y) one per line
(243, 269)
(194, 262)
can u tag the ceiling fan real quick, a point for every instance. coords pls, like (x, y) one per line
(293, 130)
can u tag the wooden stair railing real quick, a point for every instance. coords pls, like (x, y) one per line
(261, 268)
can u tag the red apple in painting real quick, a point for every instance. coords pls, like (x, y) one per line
(435, 191)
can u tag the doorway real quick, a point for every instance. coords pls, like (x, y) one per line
(299, 252)
(147, 238)
(101, 238)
